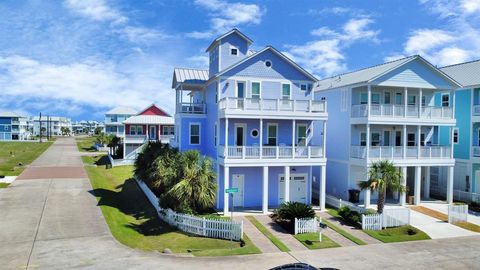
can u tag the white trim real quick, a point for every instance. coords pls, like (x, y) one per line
(190, 133)
(253, 78)
(276, 132)
(258, 133)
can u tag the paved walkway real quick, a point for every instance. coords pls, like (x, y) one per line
(443, 208)
(350, 229)
(436, 228)
(292, 243)
(257, 237)
(55, 223)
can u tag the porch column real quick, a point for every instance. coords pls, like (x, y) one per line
(420, 102)
(452, 94)
(324, 138)
(419, 143)
(310, 182)
(403, 196)
(323, 192)
(226, 184)
(369, 100)
(367, 198)
(287, 183)
(261, 137)
(148, 138)
(452, 130)
(218, 184)
(426, 188)
(404, 135)
(367, 147)
(226, 138)
(450, 185)
(265, 190)
(293, 138)
(418, 185)
(405, 100)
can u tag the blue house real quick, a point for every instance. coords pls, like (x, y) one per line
(388, 112)
(254, 114)
(13, 127)
(467, 130)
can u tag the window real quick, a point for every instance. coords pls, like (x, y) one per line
(285, 91)
(375, 98)
(424, 101)
(375, 139)
(411, 139)
(168, 130)
(233, 51)
(455, 135)
(194, 134)
(303, 87)
(398, 98)
(5, 127)
(363, 139)
(386, 98)
(268, 63)
(272, 134)
(139, 130)
(215, 134)
(254, 133)
(386, 138)
(216, 92)
(255, 90)
(136, 130)
(445, 100)
(412, 100)
(363, 98)
(301, 135)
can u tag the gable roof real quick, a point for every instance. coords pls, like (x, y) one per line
(189, 76)
(268, 48)
(467, 74)
(122, 110)
(233, 31)
(155, 106)
(370, 74)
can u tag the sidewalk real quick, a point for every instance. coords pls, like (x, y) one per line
(350, 229)
(443, 208)
(288, 239)
(257, 237)
(436, 228)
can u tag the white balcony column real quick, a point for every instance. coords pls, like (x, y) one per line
(226, 184)
(148, 137)
(217, 170)
(420, 102)
(403, 196)
(367, 147)
(261, 137)
(404, 144)
(265, 190)
(369, 100)
(226, 137)
(323, 192)
(426, 187)
(324, 151)
(418, 185)
(452, 94)
(450, 185)
(367, 198)
(451, 141)
(419, 142)
(287, 183)
(405, 101)
(293, 138)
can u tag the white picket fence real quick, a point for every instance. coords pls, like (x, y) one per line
(337, 203)
(306, 225)
(394, 217)
(457, 213)
(120, 162)
(212, 228)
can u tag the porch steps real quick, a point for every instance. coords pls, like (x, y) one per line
(288, 239)
(350, 229)
(257, 237)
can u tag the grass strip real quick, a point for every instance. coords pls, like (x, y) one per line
(311, 241)
(14, 156)
(443, 217)
(4, 185)
(279, 244)
(344, 233)
(398, 234)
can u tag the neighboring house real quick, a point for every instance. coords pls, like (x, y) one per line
(114, 120)
(388, 112)
(151, 124)
(54, 125)
(13, 127)
(89, 127)
(253, 113)
(467, 130)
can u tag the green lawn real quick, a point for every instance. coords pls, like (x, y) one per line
(134, 222)
(4, 185)
(310, 240)
(14, 153)
(398, 234)
(85, 144)
(344, 233)
(279, 244)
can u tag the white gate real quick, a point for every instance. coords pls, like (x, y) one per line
(457, 213)
(306, 225)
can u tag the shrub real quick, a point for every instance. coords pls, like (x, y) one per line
(291, 210)
(350, 216)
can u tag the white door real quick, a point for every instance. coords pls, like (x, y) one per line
(238, 181)
(298, 188)
(477, 181)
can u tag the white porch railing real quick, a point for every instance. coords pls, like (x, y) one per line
(270, 152)
(476, 151)
(457, 213)
(194, 108)
(262, 104)
(465, 196)
(476, 110)
(306, 225)
(396, 152)
(398, 111)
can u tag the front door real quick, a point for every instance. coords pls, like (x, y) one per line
(152, 133)
(238, 181)
(298, 188)
(239, 135)
(240, 94)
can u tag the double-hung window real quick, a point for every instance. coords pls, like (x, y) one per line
(363, 98)
(272, 134)
(302, 135)
(411, 139)
(285, 91)
(255, 90)
(375, 98)
(363, 139)
(375, 139)
(194, 134)
(168, 130)
(455, 135)
(445, 100)
(386, 98)
(303, 87)
(412, 100)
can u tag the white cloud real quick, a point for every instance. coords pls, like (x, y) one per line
(225, 16)
(142, 34)
(423, 40)
(470, 6)
(97, 10)
(325, 56)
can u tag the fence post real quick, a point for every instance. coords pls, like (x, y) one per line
(296, 226)
(241, 229)
(204, 225)
(363, 222)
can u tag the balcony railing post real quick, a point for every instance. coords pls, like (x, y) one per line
(243, 151)
(309, 152)
(310, 105)
(277, 152)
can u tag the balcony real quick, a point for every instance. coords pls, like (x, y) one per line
(270, 152)
(275, 107)
(396, 153)
(192, 108)
(391, 112)
(15, 122)
(140, 139)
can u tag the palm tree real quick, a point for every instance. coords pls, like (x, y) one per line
(382, 175)
(196, 187)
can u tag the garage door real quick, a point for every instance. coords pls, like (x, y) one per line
(298, 188)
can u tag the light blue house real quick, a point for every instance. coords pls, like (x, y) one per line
(114, 120)
(467, 130)
(253, 113)
(13, 127)
(388, 112)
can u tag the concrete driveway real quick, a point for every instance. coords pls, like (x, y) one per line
(53, 222)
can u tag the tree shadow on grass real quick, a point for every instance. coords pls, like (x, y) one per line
(103, 161)
(131, 201)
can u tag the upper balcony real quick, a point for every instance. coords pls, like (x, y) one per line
(273, 108)
(192, 108)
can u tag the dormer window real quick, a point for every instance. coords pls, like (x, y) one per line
(233, 51)
(303, 87)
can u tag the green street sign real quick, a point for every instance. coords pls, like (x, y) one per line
(231, 190)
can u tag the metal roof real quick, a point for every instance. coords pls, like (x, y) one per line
(122, 110)
(467, 74)
(234, 30)
(150, 119)
(9, 114)
(189, 76)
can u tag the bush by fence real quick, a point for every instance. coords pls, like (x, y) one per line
(212, 228)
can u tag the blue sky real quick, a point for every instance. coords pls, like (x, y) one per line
(79, 58)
